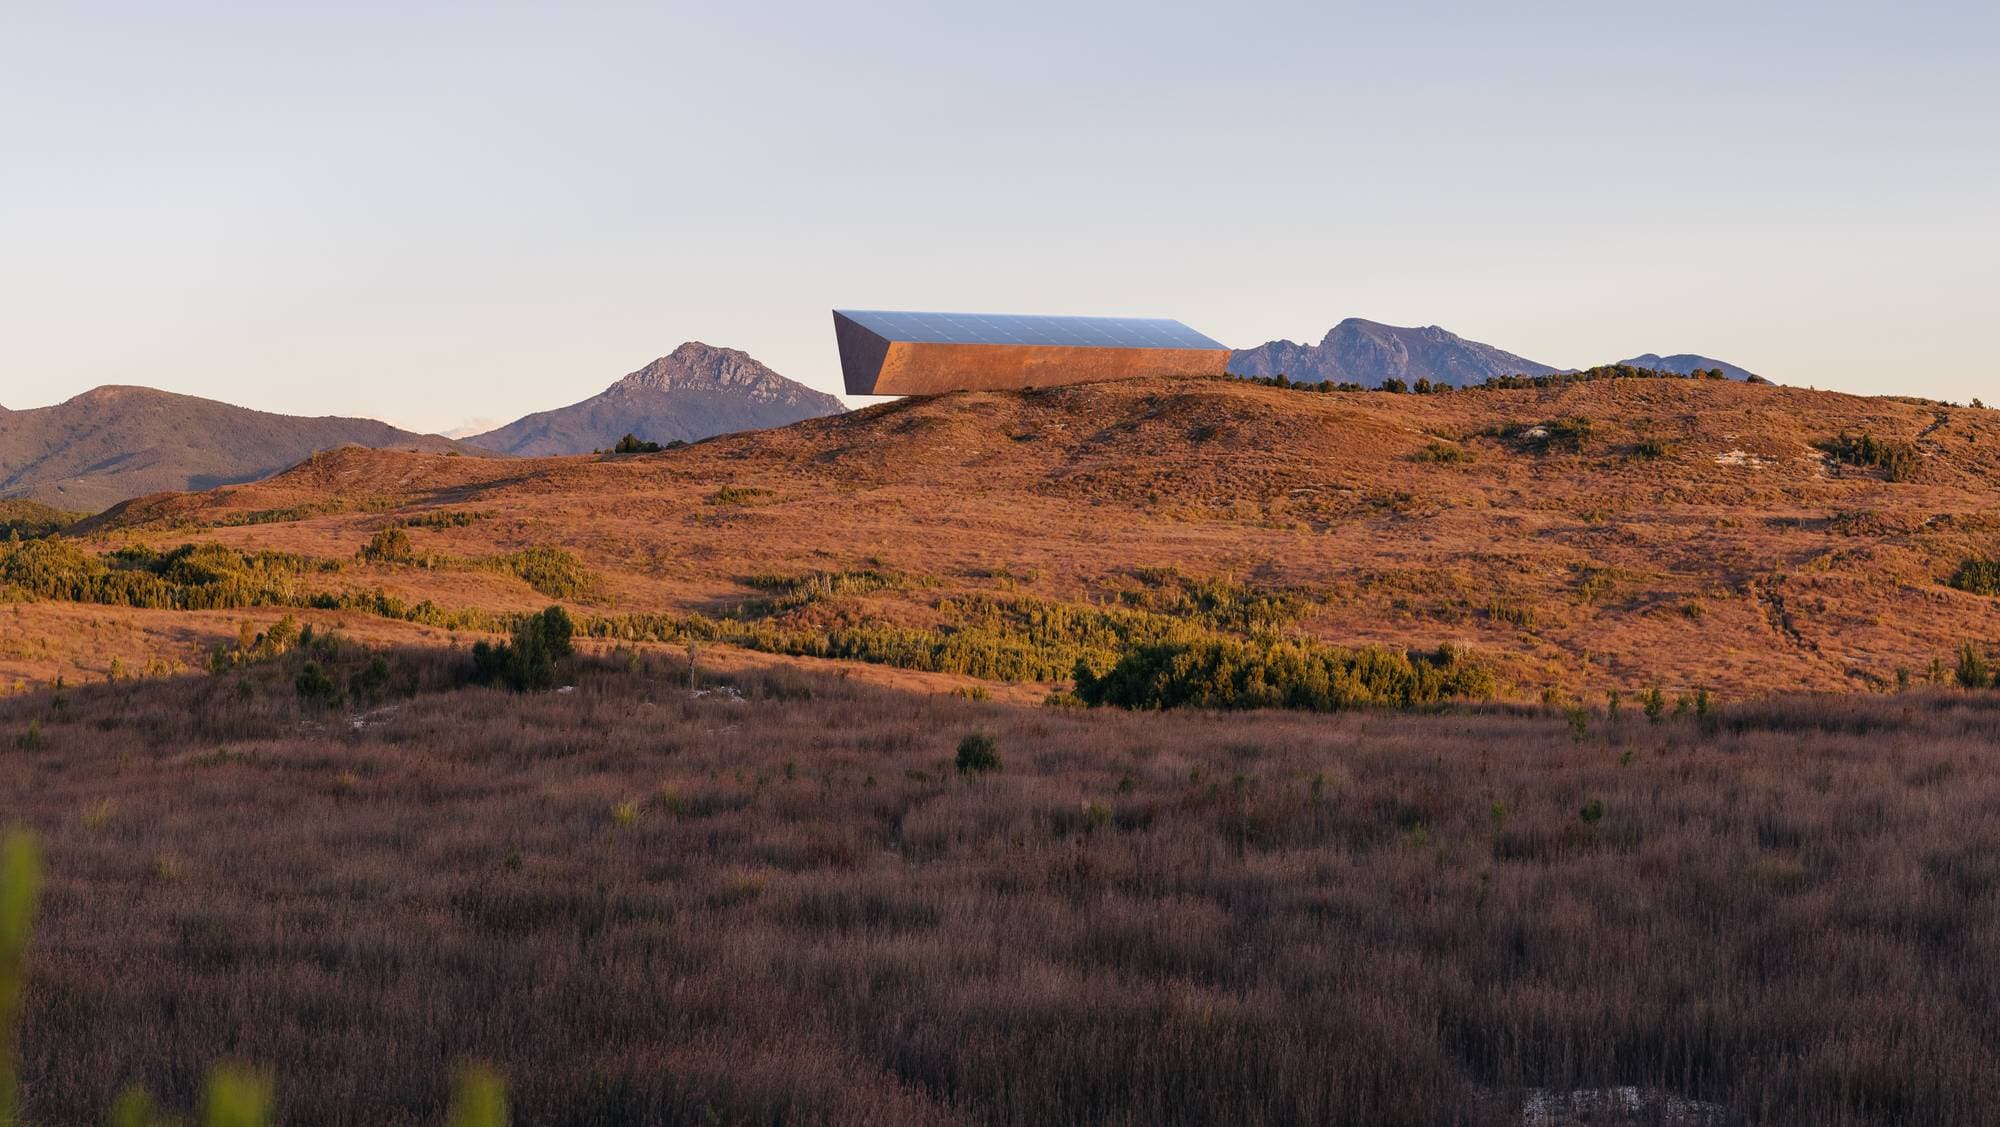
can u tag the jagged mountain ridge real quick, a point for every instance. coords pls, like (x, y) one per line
(694, 392)
(1368, 352)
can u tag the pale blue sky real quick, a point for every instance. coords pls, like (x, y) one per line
(432, 213)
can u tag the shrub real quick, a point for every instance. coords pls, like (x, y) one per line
(740, 495)
(799, 590)
(1896, 460)
(1578, 718)
(1655, 705)
(371, 678)
(978, 754)
(391, 545)
(633, 444)
(1571, 433)
(529, 662)
(315, 686)
(1651, 449)
(445, 518)
(554, 572)
(1977, 574)
(1448, 453)
(1223, 673)
(1972, 670)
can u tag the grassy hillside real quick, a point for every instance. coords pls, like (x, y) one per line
(1580, 539)
(776, 896)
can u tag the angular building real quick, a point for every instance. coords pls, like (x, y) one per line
(884, 353)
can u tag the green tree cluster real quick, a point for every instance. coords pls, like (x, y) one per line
(1230, 674)
(633, 444)
(1896, 460)
(530, 661)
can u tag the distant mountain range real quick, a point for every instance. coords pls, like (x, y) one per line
(693, 392)
(115, 442)
(1368, 352)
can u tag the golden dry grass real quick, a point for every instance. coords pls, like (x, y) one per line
(1742, 559)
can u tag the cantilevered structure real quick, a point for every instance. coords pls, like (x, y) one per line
(883, 353)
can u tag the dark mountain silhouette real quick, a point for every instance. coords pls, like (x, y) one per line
(694, 392)
(1687, 362)
(114, 443)
(1367, 352)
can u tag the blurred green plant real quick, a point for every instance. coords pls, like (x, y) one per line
(20, 890)
(479, 1099)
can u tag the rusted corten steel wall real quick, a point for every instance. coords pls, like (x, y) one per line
(873, 365)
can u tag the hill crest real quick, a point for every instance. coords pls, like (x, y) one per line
(1584, 537)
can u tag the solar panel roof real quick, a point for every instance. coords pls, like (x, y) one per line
(1010, 328)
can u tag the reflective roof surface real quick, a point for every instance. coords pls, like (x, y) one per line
(1009, 328)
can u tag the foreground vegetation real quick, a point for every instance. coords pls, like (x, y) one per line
(994, 637)
(776, 897)
(1423, 385)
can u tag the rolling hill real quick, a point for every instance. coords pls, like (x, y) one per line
(695, 392)
(115, 442)
(1606, 535)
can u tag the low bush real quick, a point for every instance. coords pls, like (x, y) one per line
(1446, 453)
(315, 686)
(978, 754)
(1972, 671)
(633, 444)
(1897, 460)
(789, 591)
(1570, 433)
(1222, 673)
(1979, 575)
(530, 661)
(555, 572)
(391, 545)
(740, 495)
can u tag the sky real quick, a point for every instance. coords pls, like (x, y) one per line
(438, 213)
